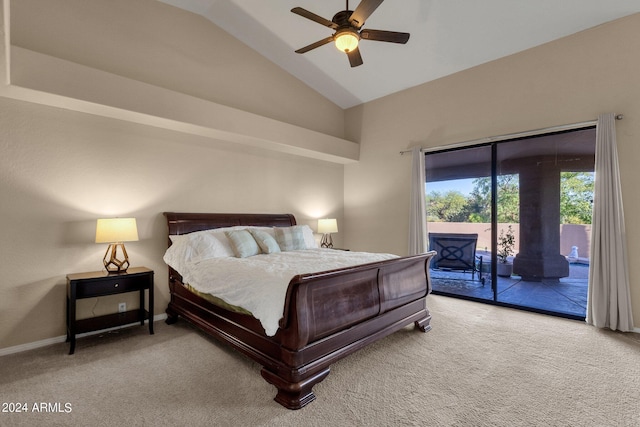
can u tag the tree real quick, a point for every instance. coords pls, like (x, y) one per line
(480, 200)
(508, 199)
(448, 207)
(576, 197)
(576, 200)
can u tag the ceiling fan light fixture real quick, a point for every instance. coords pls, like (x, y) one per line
(347, 26)
(346, 41)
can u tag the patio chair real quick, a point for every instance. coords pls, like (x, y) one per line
(457, 252)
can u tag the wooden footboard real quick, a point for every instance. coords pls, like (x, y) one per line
(327, 315)
(331, 314)
(323, 304)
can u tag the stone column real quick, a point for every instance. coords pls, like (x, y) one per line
(539, 256)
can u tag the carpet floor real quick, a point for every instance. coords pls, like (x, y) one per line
(481, 365)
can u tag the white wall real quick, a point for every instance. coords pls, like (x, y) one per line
(566, 81)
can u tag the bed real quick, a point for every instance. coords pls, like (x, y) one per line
(327, 315)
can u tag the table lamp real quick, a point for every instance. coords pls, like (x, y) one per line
(326, 227)
(116, 231)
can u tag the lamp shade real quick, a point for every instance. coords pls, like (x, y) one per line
(326, 226)
(346, 41)
(116, 230)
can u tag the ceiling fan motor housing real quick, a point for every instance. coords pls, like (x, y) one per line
(342, 18)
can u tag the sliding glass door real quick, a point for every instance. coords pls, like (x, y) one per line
(458, 195)
(525, 205)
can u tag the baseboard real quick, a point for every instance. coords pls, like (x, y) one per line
(43, 343)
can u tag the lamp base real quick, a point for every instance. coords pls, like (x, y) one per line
(327, 241)
(116, 259)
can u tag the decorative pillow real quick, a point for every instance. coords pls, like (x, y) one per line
(307, 235)
(267, 243)
(268, 230)
(243, 243)
(290, 238)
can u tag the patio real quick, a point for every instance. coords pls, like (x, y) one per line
(565, 297)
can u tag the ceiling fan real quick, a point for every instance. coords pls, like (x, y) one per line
(348, 30)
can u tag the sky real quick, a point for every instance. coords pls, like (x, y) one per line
(464, 186)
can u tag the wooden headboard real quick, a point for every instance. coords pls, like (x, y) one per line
(182, 223)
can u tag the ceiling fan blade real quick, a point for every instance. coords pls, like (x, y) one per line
(315, 45)
(363, 11)
(354, 57)
(315, 18)
(384, 36)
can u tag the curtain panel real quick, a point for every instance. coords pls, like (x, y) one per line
(609, 299)
(418, 209)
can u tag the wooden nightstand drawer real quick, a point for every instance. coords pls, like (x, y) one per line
(108, 286)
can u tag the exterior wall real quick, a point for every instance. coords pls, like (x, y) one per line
(570, 80)
(575, 235)
(570, 235)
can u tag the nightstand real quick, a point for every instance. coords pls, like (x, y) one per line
(100, 283)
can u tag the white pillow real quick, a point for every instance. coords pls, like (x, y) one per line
(196, 246)
(214, 243)
(177, 253)
(309, 238)
(211, 245)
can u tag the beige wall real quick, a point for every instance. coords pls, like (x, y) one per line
(154, 64)
(152, 42)
(567, 81)
(61, 169)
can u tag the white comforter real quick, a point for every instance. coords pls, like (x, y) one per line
(259, 283)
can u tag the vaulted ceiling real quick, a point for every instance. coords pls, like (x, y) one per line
(447, 36)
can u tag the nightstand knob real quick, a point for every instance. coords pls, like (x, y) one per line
(116, 285)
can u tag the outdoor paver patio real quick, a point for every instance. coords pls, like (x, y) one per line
(568, 296)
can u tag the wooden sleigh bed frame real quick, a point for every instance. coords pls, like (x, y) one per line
(327, 315)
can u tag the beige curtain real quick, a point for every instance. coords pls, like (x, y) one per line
(418, 211)
(609, 301)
